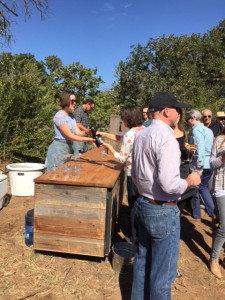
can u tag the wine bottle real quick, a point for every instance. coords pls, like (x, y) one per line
(95, 136)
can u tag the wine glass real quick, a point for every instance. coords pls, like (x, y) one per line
(53, 172)
(103, 154)
(189, 144)
(66, 171)
(75, 172)
(196, 164)
(191, 141)
(67, 157)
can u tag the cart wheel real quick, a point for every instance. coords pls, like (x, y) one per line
(6, 200)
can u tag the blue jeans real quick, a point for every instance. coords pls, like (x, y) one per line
(155, 264)
(204, 191)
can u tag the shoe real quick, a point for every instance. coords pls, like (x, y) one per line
(179, 275)
(223, 263)
(215, 268)
(202, 206)
(215, 221)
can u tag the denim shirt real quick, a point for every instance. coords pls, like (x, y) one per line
(203, 137)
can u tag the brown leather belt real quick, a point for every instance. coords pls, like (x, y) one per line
(157, 202)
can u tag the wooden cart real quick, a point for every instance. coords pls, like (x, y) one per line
(78, 215)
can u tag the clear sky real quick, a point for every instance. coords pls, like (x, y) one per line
(99, 33)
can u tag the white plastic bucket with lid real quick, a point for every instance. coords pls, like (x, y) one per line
(21, 177)
(3, 188)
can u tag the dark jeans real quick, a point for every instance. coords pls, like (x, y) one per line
(132, 192)
(204, 191)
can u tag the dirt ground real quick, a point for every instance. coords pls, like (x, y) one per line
(29, 274)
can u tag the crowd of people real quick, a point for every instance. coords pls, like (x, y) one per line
(157, 156)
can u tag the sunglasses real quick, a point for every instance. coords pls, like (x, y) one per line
(73, 102)
(204, 117)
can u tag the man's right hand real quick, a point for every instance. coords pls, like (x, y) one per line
(193, 179)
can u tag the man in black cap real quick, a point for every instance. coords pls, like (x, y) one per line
(155, 171)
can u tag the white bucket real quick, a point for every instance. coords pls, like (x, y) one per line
(3, 188)
(21, 177)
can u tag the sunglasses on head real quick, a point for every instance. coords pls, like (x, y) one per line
(204, 117)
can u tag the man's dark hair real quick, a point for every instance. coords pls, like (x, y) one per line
(89, 101)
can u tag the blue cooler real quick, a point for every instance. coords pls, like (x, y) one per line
(29, 222)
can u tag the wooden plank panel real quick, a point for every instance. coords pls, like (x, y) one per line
(92, 173)
(65, 244)
(74, 196)
(69, 227)
(112, 210)
(64, 211)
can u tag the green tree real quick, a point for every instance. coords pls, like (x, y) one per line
(76, 77)
(29, 93)
(192, 67)
(26, 107)
(106, 105)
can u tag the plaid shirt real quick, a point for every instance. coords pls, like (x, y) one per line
(81, 116)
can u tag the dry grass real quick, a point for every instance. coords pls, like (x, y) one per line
(26, 274)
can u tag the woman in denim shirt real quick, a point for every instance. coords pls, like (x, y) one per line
(203, 137)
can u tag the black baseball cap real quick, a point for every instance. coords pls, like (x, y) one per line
(162, 100)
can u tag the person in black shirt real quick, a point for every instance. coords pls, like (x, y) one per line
(216, 127)
(188, 198)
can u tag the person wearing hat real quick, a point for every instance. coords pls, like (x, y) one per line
(155, 171)
(220, 117)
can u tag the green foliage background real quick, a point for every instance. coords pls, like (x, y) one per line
(191, 67)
